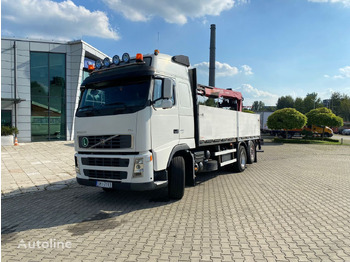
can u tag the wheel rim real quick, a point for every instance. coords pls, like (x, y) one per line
(243, 158)
(252, 152)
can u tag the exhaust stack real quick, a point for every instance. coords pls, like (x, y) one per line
(212, 55)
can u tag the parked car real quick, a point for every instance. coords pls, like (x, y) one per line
(346, 132)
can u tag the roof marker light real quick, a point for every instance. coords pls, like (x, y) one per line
(156, 52)
(116, 60)
(98, 64)
(139, 57)
(126, 57)
(107, 62)
(91, 68)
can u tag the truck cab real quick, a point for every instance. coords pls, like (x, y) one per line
(130, 118)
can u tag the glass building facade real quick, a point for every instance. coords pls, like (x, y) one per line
(40, 86)
(48, 96)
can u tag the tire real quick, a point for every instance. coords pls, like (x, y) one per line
(251, 152)
(176, 180)
(241, 163)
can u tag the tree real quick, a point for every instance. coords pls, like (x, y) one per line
(340, 105)
(287, 118)
(311, 101)
(345, 108)
(269, 109)
(285, 102)
(258, 106)
(299, 105)
(211, 102)
(336, 99)
(323, 117)
(248, 111)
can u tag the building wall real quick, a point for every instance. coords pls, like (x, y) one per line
(75, 53)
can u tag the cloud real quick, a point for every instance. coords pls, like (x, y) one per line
(344, 73)
(252, 94)
(47, 19)
(346, 3)
(223, 69)
(247, 70)
(177, 12)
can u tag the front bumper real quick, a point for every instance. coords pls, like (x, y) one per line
(119, 169)
(125, 186)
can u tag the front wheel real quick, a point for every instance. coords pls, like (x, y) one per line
(176, 185)
(241, 163)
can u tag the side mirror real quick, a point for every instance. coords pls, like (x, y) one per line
(166, 104)
(168, 88)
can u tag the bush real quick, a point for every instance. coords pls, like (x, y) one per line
(307, 133)
(7, 131)
(287, 118)
(326, 141)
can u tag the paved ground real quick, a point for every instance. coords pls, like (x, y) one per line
(346, 138)
(32, 167)
(293, 205)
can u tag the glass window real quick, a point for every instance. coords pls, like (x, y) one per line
(6, 118)
(39, 74)
(114, 97)
(48, 95)
(57, 98)
(157, 93)
(84, 75)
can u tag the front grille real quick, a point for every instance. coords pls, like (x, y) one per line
(105, 142)
(106, 174)
(99, 161)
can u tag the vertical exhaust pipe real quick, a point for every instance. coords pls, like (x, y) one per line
(212, 55)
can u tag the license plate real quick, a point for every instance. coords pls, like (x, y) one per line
(104, 184)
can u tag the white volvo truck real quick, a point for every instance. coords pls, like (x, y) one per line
(140, 126)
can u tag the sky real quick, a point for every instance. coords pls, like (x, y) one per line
(264, 48)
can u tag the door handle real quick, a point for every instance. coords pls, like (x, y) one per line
(176, 131)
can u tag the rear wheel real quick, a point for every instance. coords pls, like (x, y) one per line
(251, 152)
(241, 163)
(176, 185)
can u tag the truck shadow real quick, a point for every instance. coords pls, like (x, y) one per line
(78, 207)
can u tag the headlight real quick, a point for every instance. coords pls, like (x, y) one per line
(126, 57)
(107, 62)
(116, 60)
(98, 64)
(138, 167)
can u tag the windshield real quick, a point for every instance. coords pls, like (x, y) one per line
(114, 97)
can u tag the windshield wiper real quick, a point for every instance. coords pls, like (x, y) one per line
(122, 105)
(117, 103)
(84, 107)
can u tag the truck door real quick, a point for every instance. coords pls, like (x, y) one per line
(185, 112)
(164, 126)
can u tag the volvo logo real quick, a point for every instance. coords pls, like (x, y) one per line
(84, 141)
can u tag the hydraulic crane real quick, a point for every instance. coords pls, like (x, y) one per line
(230, 98)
